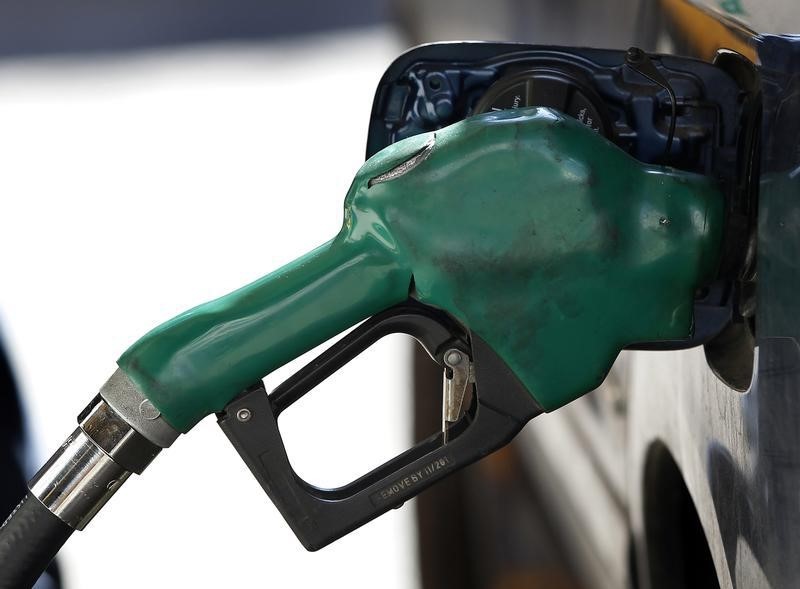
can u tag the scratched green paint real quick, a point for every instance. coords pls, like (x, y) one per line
(553, 245)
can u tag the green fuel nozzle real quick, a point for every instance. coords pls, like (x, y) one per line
(522, 249)
(538, 235)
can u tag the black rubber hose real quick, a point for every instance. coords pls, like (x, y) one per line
(29, 539)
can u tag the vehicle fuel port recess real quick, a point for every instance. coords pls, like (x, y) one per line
(544, 87)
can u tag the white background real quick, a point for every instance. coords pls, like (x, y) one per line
(137, 186)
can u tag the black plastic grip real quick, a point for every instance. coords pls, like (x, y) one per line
(319, 516)
(29, 540)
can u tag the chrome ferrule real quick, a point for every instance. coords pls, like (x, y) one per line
(92, 464)
(77, 480)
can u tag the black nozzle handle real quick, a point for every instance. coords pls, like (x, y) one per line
(320, 516)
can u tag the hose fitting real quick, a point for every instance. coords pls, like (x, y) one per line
(118, 433)
(77, 480)
(93, 462)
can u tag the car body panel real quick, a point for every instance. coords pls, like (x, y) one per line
(738, 452)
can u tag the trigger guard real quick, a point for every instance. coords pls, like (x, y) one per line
(318, 516)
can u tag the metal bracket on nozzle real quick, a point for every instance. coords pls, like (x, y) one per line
(458, 375)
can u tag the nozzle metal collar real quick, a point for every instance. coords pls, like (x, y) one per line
(128, 401)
